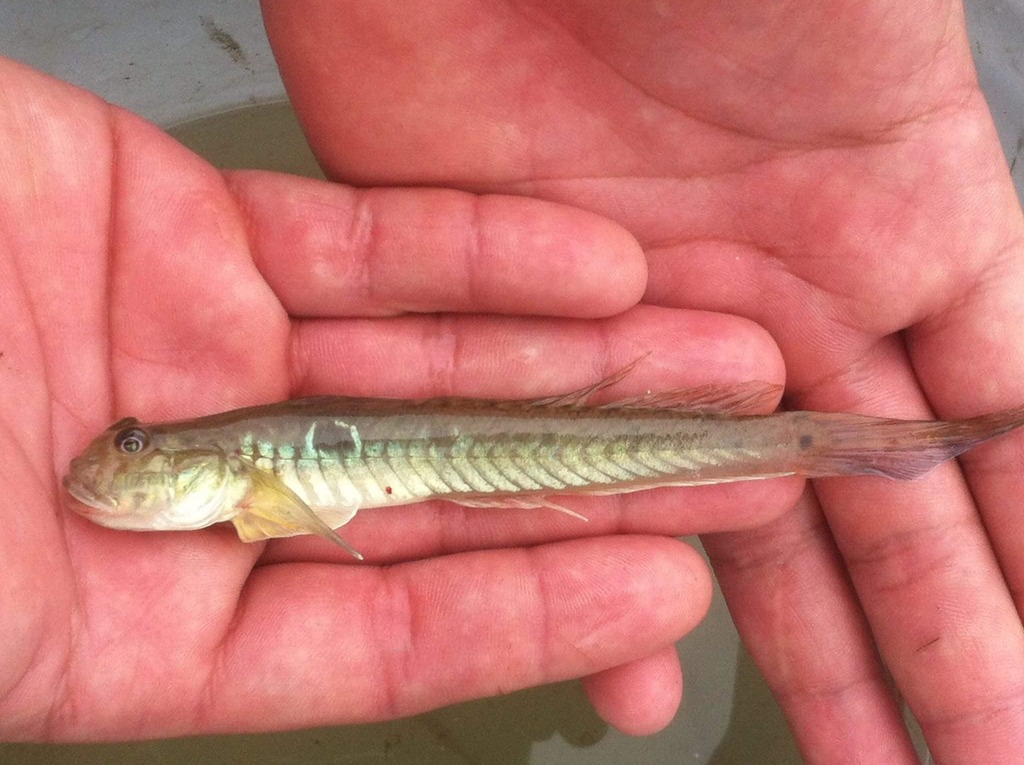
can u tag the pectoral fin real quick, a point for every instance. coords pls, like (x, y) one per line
(270, 510)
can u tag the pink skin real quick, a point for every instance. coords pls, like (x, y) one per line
(136, 279)
(828, 170)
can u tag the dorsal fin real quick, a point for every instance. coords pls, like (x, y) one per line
(578, 398)
(754, 396)
(714, 398)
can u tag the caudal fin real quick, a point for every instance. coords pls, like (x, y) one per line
(850, 444)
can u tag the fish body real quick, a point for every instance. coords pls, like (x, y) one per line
(307, 466)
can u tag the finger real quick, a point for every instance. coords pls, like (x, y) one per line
(980, 709)
(984, 331)
(330, 250)
(319, 644)
(921, 562)
(639, 698)
(800, 620)
(491, 357)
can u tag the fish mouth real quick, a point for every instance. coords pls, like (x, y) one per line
(91, 501)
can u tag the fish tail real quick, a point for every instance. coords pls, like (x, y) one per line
(850, 444)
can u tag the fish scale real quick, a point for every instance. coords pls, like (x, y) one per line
(415, 470)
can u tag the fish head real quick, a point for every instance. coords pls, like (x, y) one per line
(133, 477)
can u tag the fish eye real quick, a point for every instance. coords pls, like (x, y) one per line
(131, 440)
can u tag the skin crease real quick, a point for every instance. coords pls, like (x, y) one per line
(136, 279)
(828, 170)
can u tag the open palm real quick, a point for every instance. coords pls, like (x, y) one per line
(136, 279)
(826, 169)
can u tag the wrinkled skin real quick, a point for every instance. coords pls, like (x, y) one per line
(828, 170)
(137, 280)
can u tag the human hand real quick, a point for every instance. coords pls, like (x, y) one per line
(136, 279)
(828, 170)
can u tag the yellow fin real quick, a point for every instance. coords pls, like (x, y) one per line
(270, 510)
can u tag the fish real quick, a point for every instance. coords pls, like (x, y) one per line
(307, 466)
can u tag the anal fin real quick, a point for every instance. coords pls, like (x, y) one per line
(516, 503)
